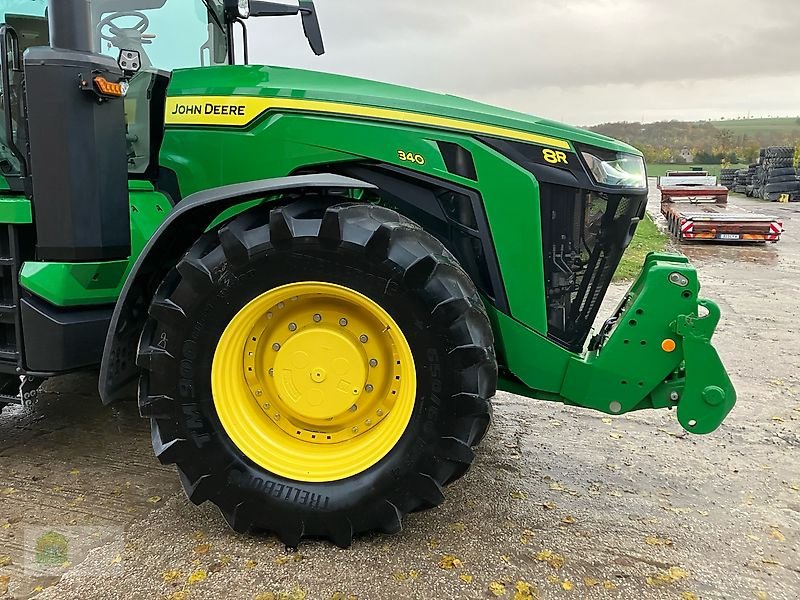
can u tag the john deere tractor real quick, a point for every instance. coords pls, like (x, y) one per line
(317, 282)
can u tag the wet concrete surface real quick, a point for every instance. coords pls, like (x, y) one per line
(561, 503)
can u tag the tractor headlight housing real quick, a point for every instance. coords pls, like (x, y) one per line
(616, 169)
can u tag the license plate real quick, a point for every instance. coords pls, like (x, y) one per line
(728, 236)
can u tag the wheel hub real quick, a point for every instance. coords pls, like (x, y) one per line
(319, 372)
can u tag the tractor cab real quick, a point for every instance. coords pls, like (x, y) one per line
(144, 29)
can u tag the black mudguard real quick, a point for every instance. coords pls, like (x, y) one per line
(187, 222)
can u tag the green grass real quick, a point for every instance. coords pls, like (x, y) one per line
(648, 239)
(783, 126)
(659, 170)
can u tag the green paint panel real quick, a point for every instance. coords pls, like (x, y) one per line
(15, 209)
(285, 143)
(255, 80)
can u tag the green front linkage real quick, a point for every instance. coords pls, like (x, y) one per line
(657, 353)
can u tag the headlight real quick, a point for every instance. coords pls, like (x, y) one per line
(244, 8)
(617, 169)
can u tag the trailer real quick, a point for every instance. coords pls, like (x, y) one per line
(697, 208)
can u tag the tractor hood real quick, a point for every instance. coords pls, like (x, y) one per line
(298, 84)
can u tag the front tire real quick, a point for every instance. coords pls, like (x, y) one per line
(378, 280)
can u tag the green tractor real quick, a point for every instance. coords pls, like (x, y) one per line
(317, 282)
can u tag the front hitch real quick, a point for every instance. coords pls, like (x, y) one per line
(656, 352)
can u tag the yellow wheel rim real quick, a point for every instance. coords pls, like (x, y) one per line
(313, 381)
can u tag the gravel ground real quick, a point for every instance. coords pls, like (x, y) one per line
(561, 503)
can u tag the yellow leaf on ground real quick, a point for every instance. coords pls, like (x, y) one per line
(667, 577)
(38, 588)
(569, 520)
(458, 527)
(505, 557)
(776, 534)
(589, 582)
(689, 596)
(567, 585)
(551, 558)
(5, 560)
(400, 576)
(199, 536)
(179, 595)
(197, 576)
(466, 577)
(552, 579)
(282, 559)
(497, 588)
(171, 575)
(202, 548)
(4, 581)
(413, 574)
(549, 505)
(556, 486)
(154, 499)
(519, 495)
(7, 491)
(524, 591)
(250, 564)
(434, 543)
(656, 541)
(74, 472)
(761, 595)
(116, 560)
(264, 596)
(606, 420)
(526, 537)
(609, 585)
(450, 562)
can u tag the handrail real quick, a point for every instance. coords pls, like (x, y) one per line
(9, 34)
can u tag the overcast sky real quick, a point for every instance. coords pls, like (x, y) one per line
(579, 61)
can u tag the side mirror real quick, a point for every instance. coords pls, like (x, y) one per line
(311, 26)
(261, 8)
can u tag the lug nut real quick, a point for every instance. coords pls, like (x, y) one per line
(266, 405)
(355, 429)
(368, 422)
(277, 416)
(317, 318)
(343, 322)
(281, 305)
(271, 372)
(373, 362)
(276, 346)
(363, 339)
(353, 408)
(292, 326)
(380, 412)
(259, 392)
(674, 396)
(368, 387)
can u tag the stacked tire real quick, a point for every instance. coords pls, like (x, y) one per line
(751, 178)
(727, 178)
(740, 185)
(779, 177)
